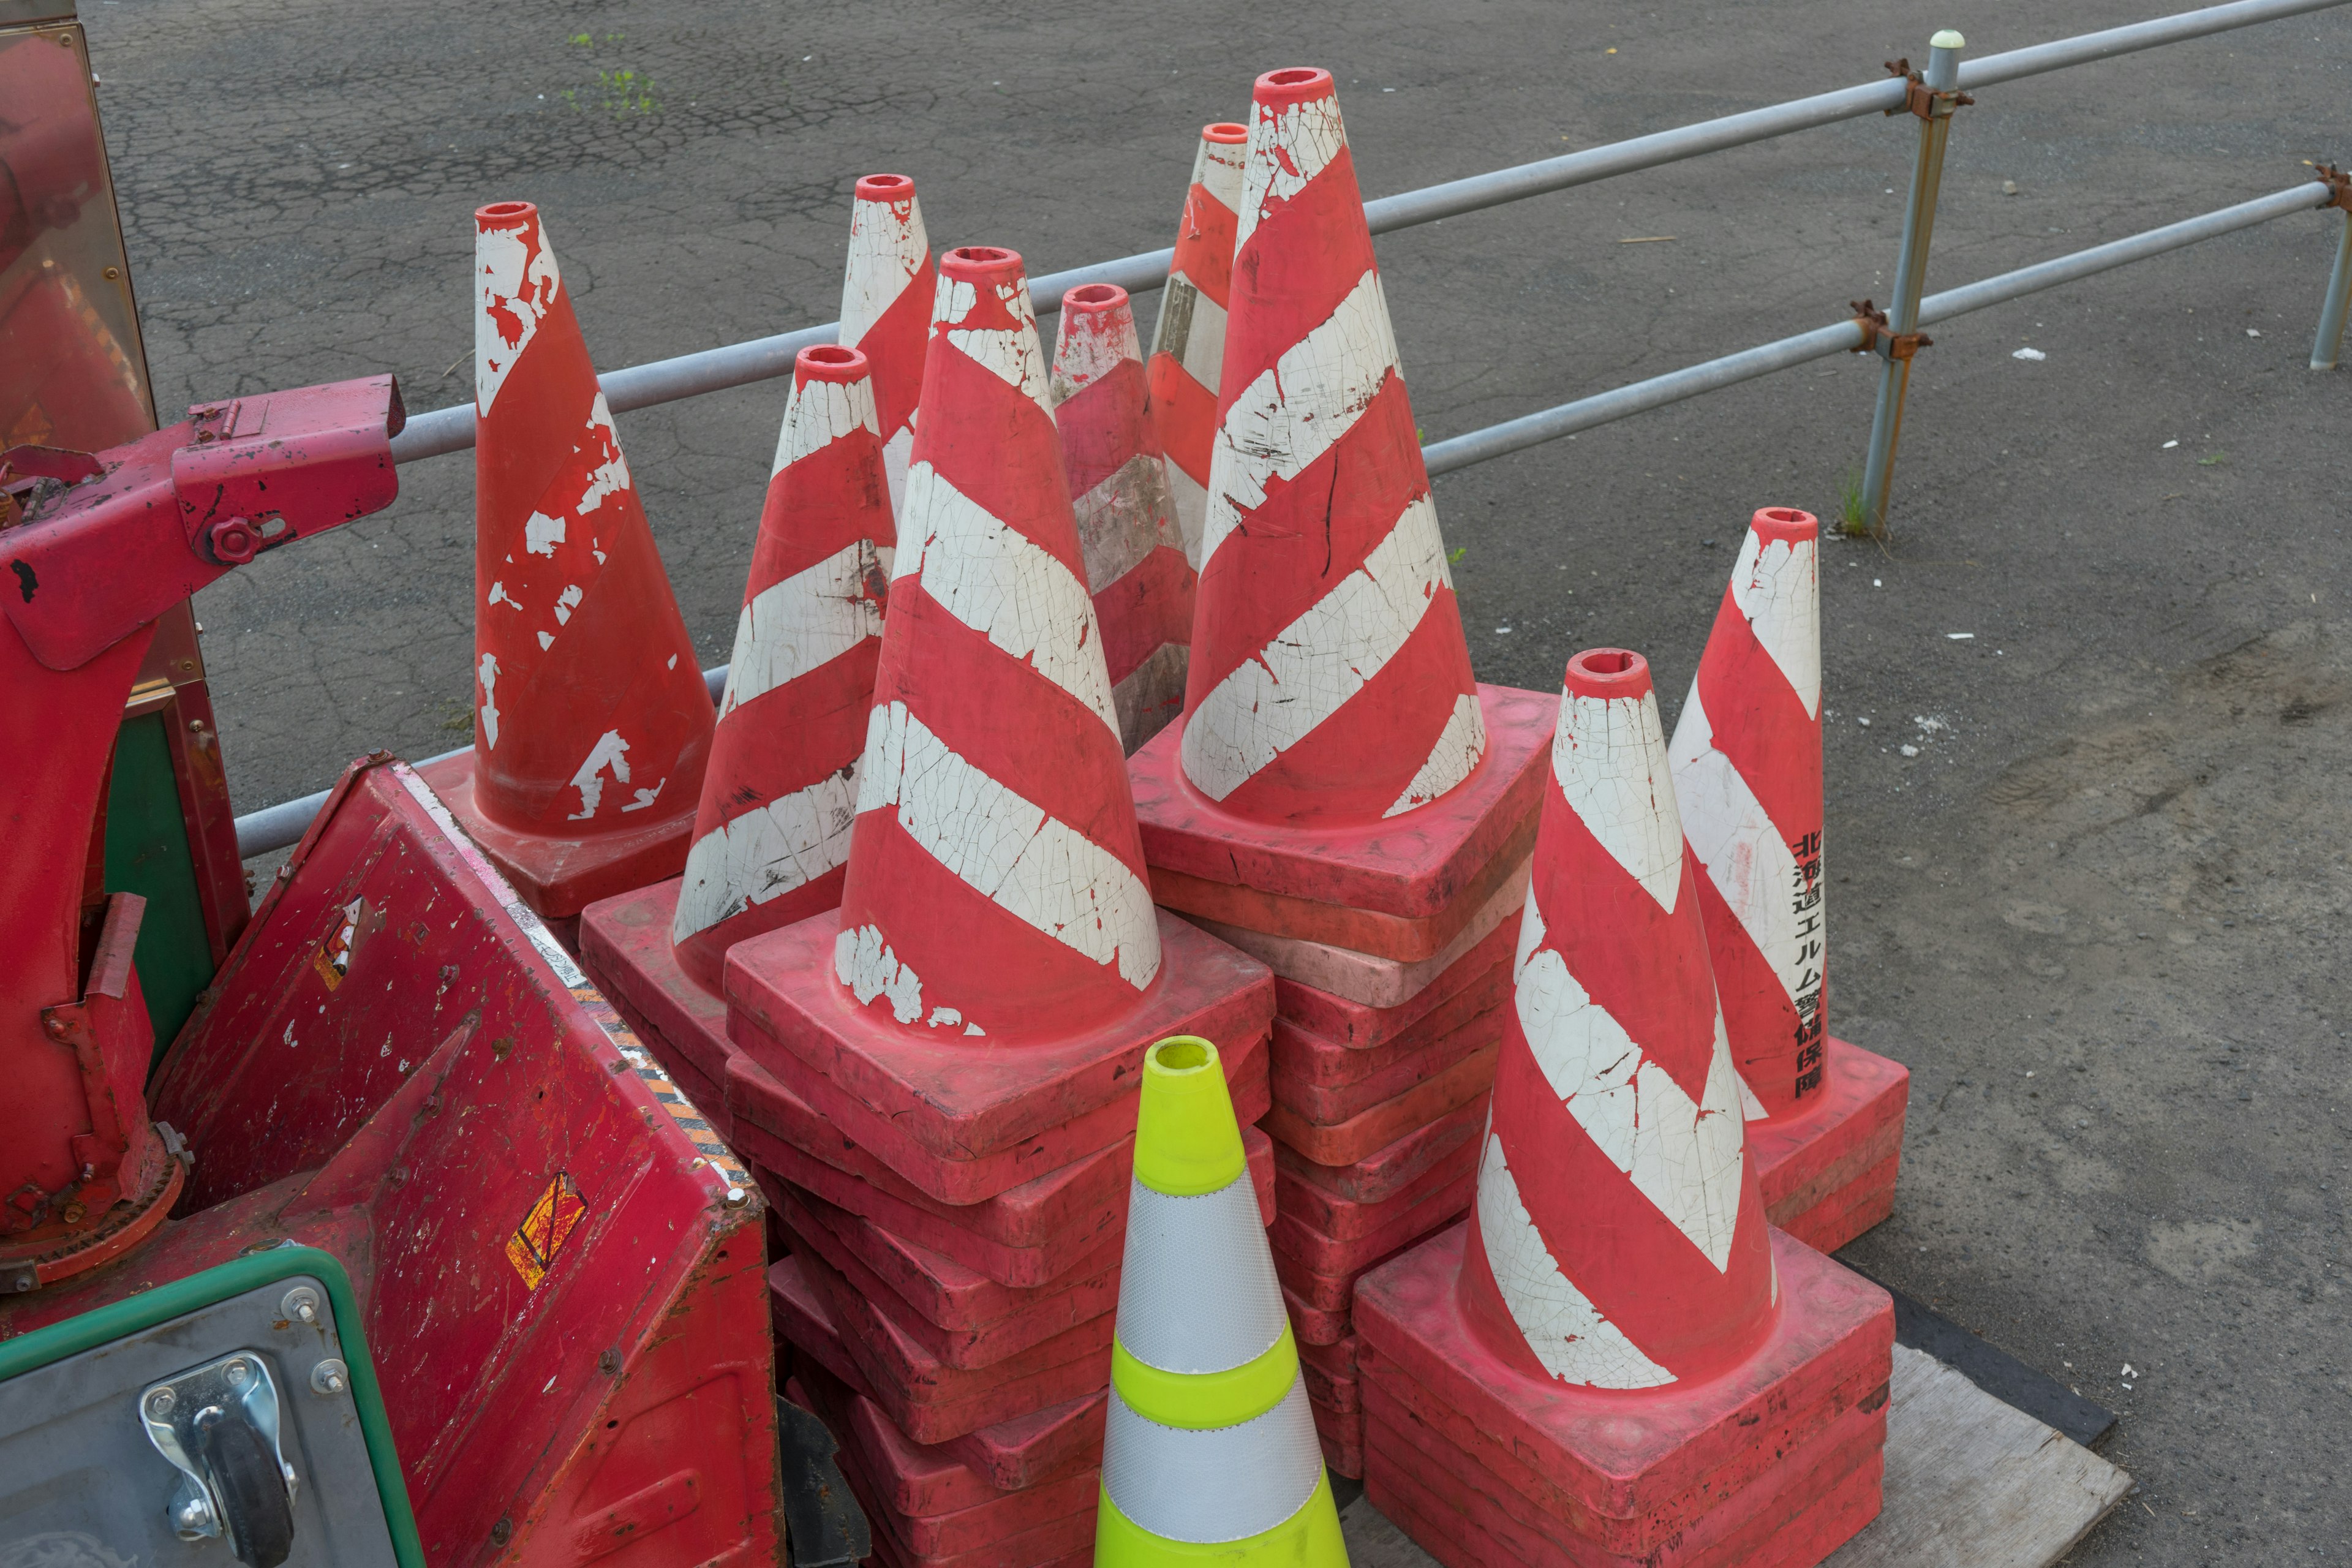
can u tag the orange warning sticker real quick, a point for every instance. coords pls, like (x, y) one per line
(533, 1245)
(333, 959)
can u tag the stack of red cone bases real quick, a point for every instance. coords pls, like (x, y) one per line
(1616, 1359)
(591, 721)
(1825, 1118)
(904, 921)
(1341, 799)
(935, 1080)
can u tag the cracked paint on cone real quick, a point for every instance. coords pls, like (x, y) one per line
(886, 304)
(1747, 760)
(1329, 682)
(996, 886)
(1136, 566)
(1188, 341)
(773, 834)
(592, 716)
(1618, 1239)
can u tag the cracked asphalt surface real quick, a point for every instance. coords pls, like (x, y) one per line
(2099, 912)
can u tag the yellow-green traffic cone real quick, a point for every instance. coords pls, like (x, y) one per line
(1211, 1453)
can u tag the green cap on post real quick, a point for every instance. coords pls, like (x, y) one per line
(1947, 39)
(1187, 1142)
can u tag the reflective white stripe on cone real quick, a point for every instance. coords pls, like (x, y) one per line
(1618, 1239)
(1747, 759)
(886, 309)
(1188, 341)
(1329, 682)
(996, 883)
(1226, 1483)
(1136, 566)
(772, 832)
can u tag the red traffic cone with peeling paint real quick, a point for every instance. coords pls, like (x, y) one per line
(1617, 1262)
(1826, 1117)
(772, 835)
(886, 309)
(1188, 342)
(593, 723)
(1330, 682)
(1142, 584)
(996, 894)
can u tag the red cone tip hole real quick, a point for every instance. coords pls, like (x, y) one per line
(1786, 523)
(1608, 672)
(886, 187)
(1095, 297)
(1226, 132)
(504, 212)
(830, 362)
(1300, 84)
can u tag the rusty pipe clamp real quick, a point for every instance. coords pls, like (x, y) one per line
(2337, 181)
(1875, 337)
(1918, 99)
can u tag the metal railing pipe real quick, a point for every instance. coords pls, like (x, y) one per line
(2328, 342)
(1601, 408)
(451, 429)
(1940, 81)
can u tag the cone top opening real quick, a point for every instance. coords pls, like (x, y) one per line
(982, 263)
(1785, 525)
(885, 188)
(1187, 1142)
(1608, 672)
(504, 215)
(1094, 299)
(1225, 132)
(830, 362)
(1292, 84)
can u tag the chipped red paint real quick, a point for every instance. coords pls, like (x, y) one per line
(618, 1410)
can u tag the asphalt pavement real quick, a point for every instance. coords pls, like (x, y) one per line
(2087, 728)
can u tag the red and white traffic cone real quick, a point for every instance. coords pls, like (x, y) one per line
(1617, 1260)
(1330, 682)
(996, 892)
(592, 723)
(1136, 566)
(1188, 342)
(886, 309)
(1747, 760)
(772, 836)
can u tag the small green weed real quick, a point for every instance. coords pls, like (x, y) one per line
(2218, 460)
(1453, 556)
(457, 713)
(1851, 520)
(623, 90)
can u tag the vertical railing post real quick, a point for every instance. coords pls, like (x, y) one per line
(2329, 342)
(1934, 98)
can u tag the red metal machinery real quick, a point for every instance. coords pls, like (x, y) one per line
(561, 1266)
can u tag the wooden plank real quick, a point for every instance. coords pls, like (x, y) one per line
(1970, 1483)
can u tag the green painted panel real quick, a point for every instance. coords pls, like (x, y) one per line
(147, 853)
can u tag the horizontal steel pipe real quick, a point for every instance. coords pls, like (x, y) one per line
(761, 359)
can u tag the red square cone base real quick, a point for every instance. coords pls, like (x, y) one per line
(959, 1120)
(1366, 978)
(1827, 1173)
(558, 877)
(1413, 866)
(1026, 1235)
(1483, 967)
(1327, 1085)
(1635, 1476)
(1397, 1223)
(930, 1503)
(1367, 1131)
(1017, 1449)
(1341, 1434)
(625, 946)
(1403, 938)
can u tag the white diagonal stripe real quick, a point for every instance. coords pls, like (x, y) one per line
(1031, 866)
(1192, 503)
(820, 413)
(1089, 347)
(1776, 587)
(764, 854)
(886, 255)
(510, 278)
(991, 577)
(1203, 358)
(1459, 746)
(1737, 844)
(804, 622)
(1286, 149)
(1601, 758)
(1562, 1327)
(1013, 353)
(1310, 669)
(1293, 413)
(1124, 519)
(1683, 1156)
